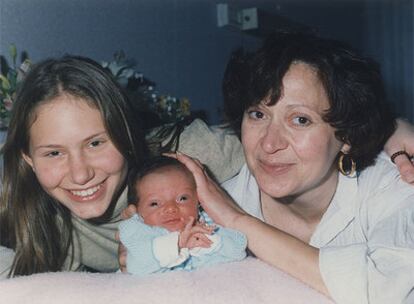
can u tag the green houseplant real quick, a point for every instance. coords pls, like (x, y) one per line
(161, 108)
(11, 76)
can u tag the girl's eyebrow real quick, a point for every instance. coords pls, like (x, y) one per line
(54, 146)
(95, 135)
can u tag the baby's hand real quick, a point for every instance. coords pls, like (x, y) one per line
(194, 235)
(129, 211)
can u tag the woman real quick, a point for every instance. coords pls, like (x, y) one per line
(305, 109)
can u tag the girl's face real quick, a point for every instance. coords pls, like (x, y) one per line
(73, 157)
(289, 148)
(167, 198)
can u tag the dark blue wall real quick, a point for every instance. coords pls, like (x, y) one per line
(176, 43)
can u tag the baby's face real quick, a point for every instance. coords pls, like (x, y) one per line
(167, 198)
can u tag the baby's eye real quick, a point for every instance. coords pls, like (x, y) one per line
(153, 204)
(301, 121)
(182, 199)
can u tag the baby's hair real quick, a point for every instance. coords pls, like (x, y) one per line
(150, 166)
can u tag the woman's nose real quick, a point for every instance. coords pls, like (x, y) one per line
(80, 170)
(274, 138)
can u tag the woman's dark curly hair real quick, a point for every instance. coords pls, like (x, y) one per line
(358, 109)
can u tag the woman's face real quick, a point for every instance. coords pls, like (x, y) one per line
(289, 148)
(73, 157)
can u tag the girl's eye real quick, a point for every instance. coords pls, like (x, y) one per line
(301, 121)
(255, 114)
(52, 154)
(95, 143)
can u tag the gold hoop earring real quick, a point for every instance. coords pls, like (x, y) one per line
(349, 172)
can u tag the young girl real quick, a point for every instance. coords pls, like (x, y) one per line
(70, 142)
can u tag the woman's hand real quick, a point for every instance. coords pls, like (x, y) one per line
(122, 252)
(402, 140)
(215, 201)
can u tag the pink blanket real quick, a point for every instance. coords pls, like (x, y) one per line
(249, 281)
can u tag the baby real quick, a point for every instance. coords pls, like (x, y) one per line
(170, 231)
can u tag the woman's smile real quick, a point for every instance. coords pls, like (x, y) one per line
(88, 194)
(275, 168)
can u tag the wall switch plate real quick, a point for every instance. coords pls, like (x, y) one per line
(227, 15)
(250, 19)
(243, 19)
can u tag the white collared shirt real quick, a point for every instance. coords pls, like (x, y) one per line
(366, 236)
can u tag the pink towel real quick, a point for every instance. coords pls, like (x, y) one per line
(248, 281)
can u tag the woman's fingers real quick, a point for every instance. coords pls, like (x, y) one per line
(170, 154)
(402, 140)
(194, 165)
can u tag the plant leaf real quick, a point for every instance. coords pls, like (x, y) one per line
(13, 52)
(5, 84)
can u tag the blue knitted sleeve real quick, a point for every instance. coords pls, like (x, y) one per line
(138, 238)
